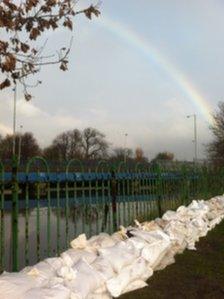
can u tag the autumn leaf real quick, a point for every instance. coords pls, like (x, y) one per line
(28, 97)
(68, 23)
(91, 11)
(34, 33)
(29, 25)
(5, 83)
(9, 64)
(20, 54)
(24, 47)
(3, 46)
(64, 66)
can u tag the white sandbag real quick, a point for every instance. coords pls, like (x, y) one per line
(167, 259)
(170, 215)
(138, 270)
(55, 281)
(119, 255)
(80, 242)
(72, 256)
(103, 240)
(198, 206)
(215, 221)
(105, 295)
(156, 246)
(135, 285)
(151, 236)
(152, 253)
(118, 236)
(55, 262)
(15, 285)
(138, 243)
(148, 226)
(211, 215)
(86, 281)
(201, 225)
(161, 223)
(67, 273)
(104, 267)
(177, 231)
(56, 292)
(42, 272)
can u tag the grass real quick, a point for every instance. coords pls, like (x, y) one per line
(195, 274)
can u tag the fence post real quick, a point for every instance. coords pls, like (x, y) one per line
(204, 182)
(114, 198)
(185, 183)
(2, 227)
(159, 189)
(15, 228)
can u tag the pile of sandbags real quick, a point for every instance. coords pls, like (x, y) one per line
(106, 266)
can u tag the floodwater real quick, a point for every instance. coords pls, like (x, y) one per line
(62, 226)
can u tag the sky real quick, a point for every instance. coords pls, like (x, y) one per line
(139, 69)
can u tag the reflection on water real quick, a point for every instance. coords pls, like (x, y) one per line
(63, 224)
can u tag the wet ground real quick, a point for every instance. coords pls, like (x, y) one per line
(195, 275)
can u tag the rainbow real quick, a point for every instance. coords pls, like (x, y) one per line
(155, 56)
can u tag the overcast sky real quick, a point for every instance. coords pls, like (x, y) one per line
(112, 86)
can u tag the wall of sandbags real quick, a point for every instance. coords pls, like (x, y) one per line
(106, 266)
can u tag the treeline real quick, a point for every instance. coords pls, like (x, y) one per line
(87, 144)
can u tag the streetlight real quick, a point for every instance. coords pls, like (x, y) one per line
(20, 142)
(195, 137)
(125, 149)
(14, 122)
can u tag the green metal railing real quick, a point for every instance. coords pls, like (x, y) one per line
(41, 211)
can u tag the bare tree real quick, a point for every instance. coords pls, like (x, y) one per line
(65, 146)
(94, 144)
(120, 153)
(164, 156)
(139, 155)
(22, 23)
(26, 145)
(215, 149)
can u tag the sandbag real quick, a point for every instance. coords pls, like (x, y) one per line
(135, 285)
(155, 246)
(72, 256)
(170, 215)
(55, 262)
(15, 285)
(148, 226)
(56, 292)
(41, 272)
(177, 231)
(80, 242)
(67, 273)
(105, 295)
(119, 255)
(103, 240)
(86, 281)
(215, 221)
(104, 267)
(137, 270)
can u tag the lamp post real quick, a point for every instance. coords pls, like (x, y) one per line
(14, 122)
(15, 192)
(195, 137)
(125, 148)
(20, 142)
